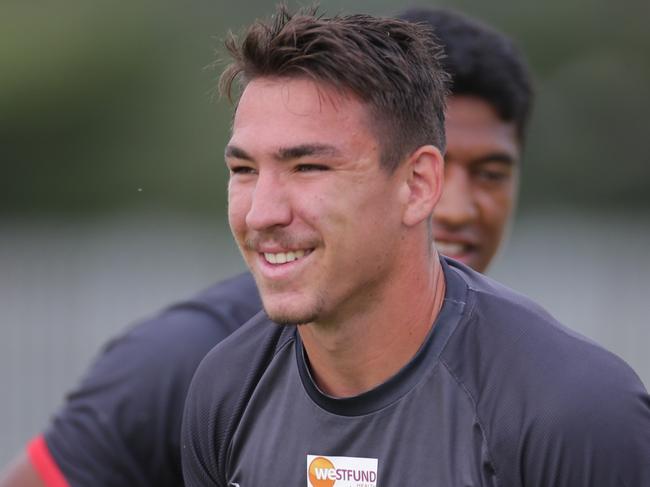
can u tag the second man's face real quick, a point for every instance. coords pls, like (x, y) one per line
(481, 180)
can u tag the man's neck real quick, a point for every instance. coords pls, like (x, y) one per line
(369, 347)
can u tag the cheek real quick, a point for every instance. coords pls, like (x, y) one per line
(321, 205)
(497, 208)
(238, 206)
(371, 219)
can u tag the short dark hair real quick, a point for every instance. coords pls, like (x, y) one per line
(390, 65)
(482, 62)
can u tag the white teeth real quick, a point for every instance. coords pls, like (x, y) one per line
(450, 248)
(283, 257)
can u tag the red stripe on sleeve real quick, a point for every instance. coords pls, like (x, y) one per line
(44, 464)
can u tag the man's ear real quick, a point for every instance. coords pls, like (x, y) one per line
(423, 182)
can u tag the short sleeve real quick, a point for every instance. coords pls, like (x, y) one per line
(121, 426)
(42, 462)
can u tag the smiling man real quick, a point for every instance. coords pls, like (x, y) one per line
(376, 361)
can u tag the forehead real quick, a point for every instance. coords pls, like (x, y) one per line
(282, 112)
(473, 124)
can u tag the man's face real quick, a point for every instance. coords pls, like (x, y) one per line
(313, 213)
(481, 180)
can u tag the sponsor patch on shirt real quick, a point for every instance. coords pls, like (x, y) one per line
(325, 471)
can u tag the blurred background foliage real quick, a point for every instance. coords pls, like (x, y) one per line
(108, 106)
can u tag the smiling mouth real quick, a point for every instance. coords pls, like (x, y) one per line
(285, 257)
(453, 248)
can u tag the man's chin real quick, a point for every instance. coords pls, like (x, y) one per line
(290, 306)
(290, 319)
(288, 315)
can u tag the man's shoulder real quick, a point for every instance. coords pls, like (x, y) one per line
(189, 328)
(538, 386)
(516, 336)
(230, 302)
(223, 385)
(247, 352)
(134, 392)
(237, 288)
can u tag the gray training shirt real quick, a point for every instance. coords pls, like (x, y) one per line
(499, 394)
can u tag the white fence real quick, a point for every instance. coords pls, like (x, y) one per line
(67, 287)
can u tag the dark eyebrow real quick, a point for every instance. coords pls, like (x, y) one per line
(287, 153)
(501, 157)
(303, 150)
(237, 153)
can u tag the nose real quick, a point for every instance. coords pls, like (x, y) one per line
(457, 206)
(270, 205)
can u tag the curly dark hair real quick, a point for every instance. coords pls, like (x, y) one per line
(390, 65)
(481, 61)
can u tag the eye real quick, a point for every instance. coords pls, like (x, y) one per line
(493, 173)
(241, 170)
(311, 167)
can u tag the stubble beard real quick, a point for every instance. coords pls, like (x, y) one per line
(288, 317)
(284, 317)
